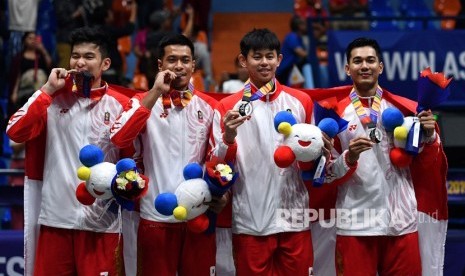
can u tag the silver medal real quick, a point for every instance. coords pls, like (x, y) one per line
(375, 135)
(245, 108)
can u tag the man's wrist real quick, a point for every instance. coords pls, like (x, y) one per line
(47, 89)
(227, 140)
(349, 162)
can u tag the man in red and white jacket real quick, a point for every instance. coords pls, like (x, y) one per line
(266, 241)
(172, 122)
(377, 224)
(56, 122)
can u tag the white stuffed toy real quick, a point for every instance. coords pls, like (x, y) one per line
(104, 180)
(98, 176)
(303, 143)
(188, 202)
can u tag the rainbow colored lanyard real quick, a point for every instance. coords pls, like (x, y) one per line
(179, 98)
(372, 119)
(262, 91)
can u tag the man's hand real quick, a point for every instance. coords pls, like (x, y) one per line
(217, 204)
(328, 145)
(163, 81)
(56, 80)
(427, 122)
(356, 147)
(232, 120)
(161, 85)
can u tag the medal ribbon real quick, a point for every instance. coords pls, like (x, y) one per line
(262, 91)
(179, 98)
(374, 109)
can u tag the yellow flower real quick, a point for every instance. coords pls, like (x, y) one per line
(225, 171)
(131, 175)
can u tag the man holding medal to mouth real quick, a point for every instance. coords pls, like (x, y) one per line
(172, 121)
(379, 232)
(73, 109)
(264, 243)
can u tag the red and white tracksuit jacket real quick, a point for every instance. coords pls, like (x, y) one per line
(262, 189)
(55, 129)
(168, 143)
(379, 198)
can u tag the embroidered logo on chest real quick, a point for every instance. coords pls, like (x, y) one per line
(106, 118)
(200, 116)
(64, 110)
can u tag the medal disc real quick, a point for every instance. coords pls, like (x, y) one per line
(375, 135)
(245, 109)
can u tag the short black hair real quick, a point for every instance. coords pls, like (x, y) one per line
(95, 35)
(295, 23)
(25, 35)
(174, 39)
(362, 42)
(259, 39)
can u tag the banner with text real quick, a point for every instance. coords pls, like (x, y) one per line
(405, 54)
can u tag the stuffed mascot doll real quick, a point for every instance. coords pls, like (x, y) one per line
(187, 203)
(105, 180)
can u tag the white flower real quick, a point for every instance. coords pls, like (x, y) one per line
(225, 171)
(121, 183)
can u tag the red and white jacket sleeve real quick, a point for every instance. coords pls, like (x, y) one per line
(30, 120)
(220, 148)
(338, 170)
(130, 123)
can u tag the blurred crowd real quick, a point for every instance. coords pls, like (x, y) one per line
(34, 42)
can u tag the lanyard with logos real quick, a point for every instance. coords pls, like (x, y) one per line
(245, 108)
(179, 98)
(369, 120)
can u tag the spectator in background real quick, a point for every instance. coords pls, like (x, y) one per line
(317, 14)
(145, 8)
(29, 70)
(202, 76)
(294, 50)
(103, 16)
(161, 24)
(234, 82)
(69, 16)
(201, 15)
(347, 10)
(19, 23)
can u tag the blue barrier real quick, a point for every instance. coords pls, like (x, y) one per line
(405, 54)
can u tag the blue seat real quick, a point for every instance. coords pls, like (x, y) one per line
(382, 24)
(417, 8)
